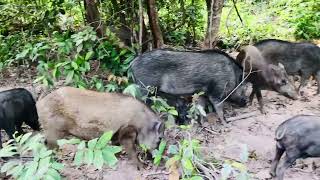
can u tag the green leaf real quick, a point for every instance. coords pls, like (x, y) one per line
(25, 137)
(88, 156)
(44, 165)
(173, 112)
(98, 159)
(92, 143)
(158, 156)
(226, 171)
(110, 158)
(74, 65)
(113, 149)
(82, 145)
(173, 149)
(54, 174)
(104, 139)
(89, 55)
(31, 169)
(9, 165)
(69, 76)
(16, 171)
(78, 158)
(62, 142)
(79, 48)
(57, 166)
(187, 165)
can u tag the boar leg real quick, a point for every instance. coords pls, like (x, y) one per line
(275, 162)
(317, 76)
(287, 162)
(127, 138)
(260, 101)
(251, 96)
(303, 81)
(0, 140)
(219, 109)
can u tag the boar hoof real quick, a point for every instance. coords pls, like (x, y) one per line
(273, 173)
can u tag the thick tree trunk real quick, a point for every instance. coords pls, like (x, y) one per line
(214, 8)
(93, 16)
(154, 24)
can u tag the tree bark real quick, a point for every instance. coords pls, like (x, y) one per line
(214, 8)
(154, 24)
(93, 16)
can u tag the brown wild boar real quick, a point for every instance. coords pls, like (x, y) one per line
(88, 114)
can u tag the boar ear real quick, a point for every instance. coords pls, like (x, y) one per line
(281, 65)
(158, 127)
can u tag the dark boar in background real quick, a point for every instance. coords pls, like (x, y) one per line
(16, 107)
(298, 58)
(185, 73)
(264, 76)
(298, 137)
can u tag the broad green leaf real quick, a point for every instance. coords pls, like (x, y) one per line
(9, 165)
(173, 112)
(110, 158)
(31, 169)
(57, 166)
(158, 156)
(173, 149)
(62, 142)
(89, 55)
(45, 153)
(82, 145)
(69, 76)
(92, 143)
(104, 139)
(187, 166)
(201, 110)
(88, 156)
(24, 138)
(54, 174)
(78, 158)
(74, 65)
(44, 165)
(16, 171)
(98, 159)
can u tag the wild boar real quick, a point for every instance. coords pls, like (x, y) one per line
(265, 76)
(16, 107)
(299, 137)
(88, 114)
(179, 73)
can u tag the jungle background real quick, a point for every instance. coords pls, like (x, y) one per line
(89, 44)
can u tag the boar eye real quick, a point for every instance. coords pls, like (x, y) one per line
(283, 82)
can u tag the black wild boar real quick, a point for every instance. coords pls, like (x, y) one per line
(17, 106)
(88, 114)
(299, 137)
(265, 76)
(298, 58)
(185, 73)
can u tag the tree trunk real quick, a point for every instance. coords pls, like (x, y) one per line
(93, 16)
(154, 24)
(214, 8)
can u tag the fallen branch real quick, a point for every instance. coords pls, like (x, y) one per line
(208, 172)
(157, 173)
(242, 116)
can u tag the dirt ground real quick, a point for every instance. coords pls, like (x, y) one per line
(257, 132)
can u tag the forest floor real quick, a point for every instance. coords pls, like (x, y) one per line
(257, 132)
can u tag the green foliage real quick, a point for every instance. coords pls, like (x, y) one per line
(182, 24)
(158, 153)
(160, 105)
(185, 154)
(96, 152)
(236, 169)
(307, 19)
(196, 110)
(133, 90)
(42, 166)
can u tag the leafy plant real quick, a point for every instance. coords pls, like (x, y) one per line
(158, 153)
(236, 169)
(185, 154)
(196, 110)
(42, 165)
(160, 105)
(96, 152)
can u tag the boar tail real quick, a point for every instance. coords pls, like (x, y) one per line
(280, 133)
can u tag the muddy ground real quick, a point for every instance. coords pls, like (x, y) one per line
(257, 132)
